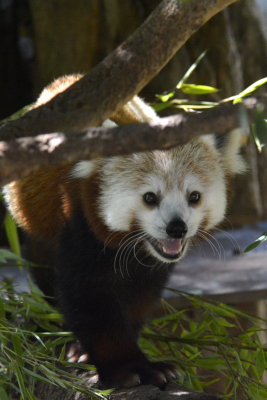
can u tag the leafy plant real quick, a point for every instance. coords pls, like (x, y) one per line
(172, 98)
(32, 339)
(207, 341)
(33, 347)
(220, 344)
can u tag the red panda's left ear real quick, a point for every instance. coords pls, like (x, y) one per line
(231, 157)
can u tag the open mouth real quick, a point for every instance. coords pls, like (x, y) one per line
(170, 249)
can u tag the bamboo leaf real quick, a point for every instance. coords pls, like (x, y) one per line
(259, 130)
(12, 234)
(261, 364)
(250, 89)
(190, 88)
(256, 243)
(166, 96)
(3, 393)
(190, 70)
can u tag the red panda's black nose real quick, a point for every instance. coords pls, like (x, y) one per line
(176, 228)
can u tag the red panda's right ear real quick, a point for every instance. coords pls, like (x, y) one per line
(85, 168)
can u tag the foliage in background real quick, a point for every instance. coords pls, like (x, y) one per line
(172, 98)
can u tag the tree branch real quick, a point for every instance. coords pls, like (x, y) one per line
(120, 75)
(143, 392)
(19, 157)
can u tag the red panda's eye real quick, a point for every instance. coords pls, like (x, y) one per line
(194, 197)
(151, 199)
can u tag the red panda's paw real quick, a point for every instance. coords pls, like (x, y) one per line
(129, 375)
(76, 354)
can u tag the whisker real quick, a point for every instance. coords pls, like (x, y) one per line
(232, 239)
(133, 245)
(133, 248)
(140, 261)
(220, 246)
(125, 253)
(109, 238)
(113, 234)
(125, 243)
(217, 247)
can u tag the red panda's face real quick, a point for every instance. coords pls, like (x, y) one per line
(163, 199)
(158, 201)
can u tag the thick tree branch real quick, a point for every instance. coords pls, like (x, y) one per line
(122, 74)
(143, 392)
(19, 157)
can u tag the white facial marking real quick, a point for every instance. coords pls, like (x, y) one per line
(171, 175)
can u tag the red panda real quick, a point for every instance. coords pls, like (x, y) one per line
(113, 229)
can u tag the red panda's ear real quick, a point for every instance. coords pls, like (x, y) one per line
(230, 150)
(228, 146)
(83, 169)
(136, 110)
(56, 87)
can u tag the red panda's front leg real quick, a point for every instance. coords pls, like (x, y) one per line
(104, 310)
(98, 321)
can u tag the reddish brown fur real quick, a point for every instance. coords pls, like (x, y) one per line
(37, 201)
(41, 202)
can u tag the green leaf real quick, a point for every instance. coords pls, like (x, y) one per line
(16, 339)
(36, 376)
(190, 88)
(21, 383)
(256, 393)
(2, 311)
(190, 70)
(12, 234)
(165, 97)
(17, 114)
(256, 243)
(6, 255)
(259, 130)
(62, 354)
(250, 89)
(3, 393)
(223, 322)
(260, 362)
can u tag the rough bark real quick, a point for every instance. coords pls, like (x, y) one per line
(123, 73)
